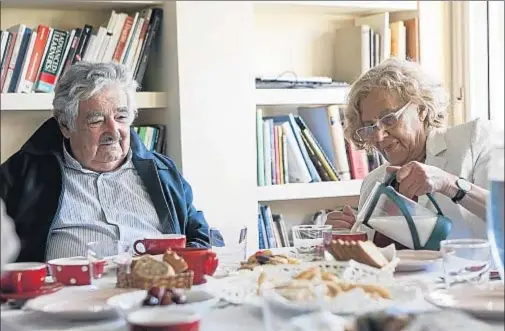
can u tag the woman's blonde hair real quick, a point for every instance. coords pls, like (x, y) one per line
(405, 79)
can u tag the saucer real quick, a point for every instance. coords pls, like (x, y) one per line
(411, 260)
(45, 289)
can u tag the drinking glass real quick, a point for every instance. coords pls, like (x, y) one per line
(308, 241)
(104, 258)
(466, 261)
(495, 210)
(230, 245)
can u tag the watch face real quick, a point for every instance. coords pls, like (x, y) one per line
(464, 184)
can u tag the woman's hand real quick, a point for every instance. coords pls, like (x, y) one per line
(417, 179)
(341, 219)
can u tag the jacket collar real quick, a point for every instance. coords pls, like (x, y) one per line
(435, 146)
(47, 140)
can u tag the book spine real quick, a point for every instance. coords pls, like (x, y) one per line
(52, 62)
(36, 58)
(142, 37)
(8, 56)
(313, 156)
(281, 154)
(83, 43)
(129, 40)
(26, 63)
(123, 37)
(275, 156)
(259, 147)
(296, 130)
(267, 149)
(338, 141)
(285, 156)
(154, 28)
(357, 161)
(73, 50)
(19, 31)
(21, 58)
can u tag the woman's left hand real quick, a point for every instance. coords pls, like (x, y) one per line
(417, 179)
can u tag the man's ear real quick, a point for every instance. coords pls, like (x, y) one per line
(64, 129)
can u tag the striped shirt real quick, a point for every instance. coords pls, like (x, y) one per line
(100, 206)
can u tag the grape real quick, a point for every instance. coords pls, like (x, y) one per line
(166, 300)
(157, 292)
(150, 301)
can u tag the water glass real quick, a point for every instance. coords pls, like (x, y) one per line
(104, 259)
(308, 241)
(466, 261)
(230, 245)
(495, 209)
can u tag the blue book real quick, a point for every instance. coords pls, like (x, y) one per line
(261, 230)
(23, 48)
(268, 229)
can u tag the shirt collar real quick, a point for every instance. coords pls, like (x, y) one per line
(70, 162)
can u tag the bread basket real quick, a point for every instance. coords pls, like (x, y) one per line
(126, 279)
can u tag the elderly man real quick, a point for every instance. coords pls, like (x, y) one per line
(85, 176)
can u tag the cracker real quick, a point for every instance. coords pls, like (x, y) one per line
(372, 256)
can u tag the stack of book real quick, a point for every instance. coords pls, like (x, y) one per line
(308, 147)
(271, 229)
(32, 59)
(153, 137)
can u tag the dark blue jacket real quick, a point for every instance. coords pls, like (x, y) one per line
(31, 187)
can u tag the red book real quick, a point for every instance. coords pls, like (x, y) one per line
(358, 162)
(122, 39)
(36, 58)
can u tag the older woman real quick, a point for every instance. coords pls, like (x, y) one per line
(400, 111)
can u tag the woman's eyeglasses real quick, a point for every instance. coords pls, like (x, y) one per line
(384, 123)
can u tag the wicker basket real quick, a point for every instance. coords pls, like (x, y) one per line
(126, 279)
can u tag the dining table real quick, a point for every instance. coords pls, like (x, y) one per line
(222, 317)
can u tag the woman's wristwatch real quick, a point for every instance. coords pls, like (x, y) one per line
(464, 186)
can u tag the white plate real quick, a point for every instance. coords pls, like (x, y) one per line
(198, 300)
(79, 304)
(411, 260)
(486, 302)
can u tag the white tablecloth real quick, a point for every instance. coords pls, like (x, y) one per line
(230, 318)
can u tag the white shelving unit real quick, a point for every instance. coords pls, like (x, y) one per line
(210, 52)
(299, 191)
(43, 101)
(301, 97)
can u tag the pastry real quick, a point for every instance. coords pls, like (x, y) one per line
(148, 267)
(175, 261)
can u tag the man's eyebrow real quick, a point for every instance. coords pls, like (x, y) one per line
(92, 114)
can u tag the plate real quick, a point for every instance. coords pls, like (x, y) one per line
(486, 302)
(198, 300)
(83, 304)
(45, 289)
(411, 260)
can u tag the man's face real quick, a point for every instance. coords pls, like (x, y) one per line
(102, 139)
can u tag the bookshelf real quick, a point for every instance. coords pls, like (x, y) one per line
(301, 191)
(202, 87)
(43, 101)
(301, 97)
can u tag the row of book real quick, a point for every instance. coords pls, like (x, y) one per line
(308, 147)
(272, 232)
(372, 40)
(33, 59)
(153, 137)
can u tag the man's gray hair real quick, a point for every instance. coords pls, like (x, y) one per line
(85, 79)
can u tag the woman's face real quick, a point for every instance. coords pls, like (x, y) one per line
(403, 142)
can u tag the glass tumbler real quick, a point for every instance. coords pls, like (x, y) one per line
(466, 261)
(104, 259)
(308, 241)
(230, 245)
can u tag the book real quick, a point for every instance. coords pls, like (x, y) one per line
(52, 62)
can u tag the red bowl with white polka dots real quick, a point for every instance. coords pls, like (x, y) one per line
(73, 270)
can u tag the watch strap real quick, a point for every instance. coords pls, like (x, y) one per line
(460, 194)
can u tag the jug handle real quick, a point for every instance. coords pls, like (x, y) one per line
(391, 180)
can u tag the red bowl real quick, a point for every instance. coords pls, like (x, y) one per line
(73, 270)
